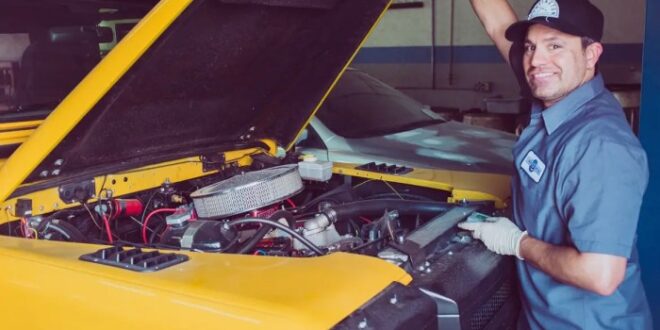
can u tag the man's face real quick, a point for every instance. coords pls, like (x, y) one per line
(555, 63)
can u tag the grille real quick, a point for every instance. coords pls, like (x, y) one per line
(246, 192)
(487, 311)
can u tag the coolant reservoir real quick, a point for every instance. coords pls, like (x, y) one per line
(310, 168)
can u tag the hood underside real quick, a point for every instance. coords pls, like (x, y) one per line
(225, 73)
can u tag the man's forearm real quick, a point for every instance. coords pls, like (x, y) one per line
(598, 273)
(496, 16)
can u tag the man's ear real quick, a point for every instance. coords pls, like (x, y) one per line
(593, 53)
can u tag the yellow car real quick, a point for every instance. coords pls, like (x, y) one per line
(157, 187)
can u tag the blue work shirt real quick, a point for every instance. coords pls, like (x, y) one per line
(581, 175)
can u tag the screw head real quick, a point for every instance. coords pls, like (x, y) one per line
(363, 324)
(394, 300)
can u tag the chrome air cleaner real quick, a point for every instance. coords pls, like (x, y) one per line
(246, 192)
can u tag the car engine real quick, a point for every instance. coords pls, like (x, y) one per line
(273, 211)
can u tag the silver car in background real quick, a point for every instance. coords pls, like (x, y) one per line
(365, 120)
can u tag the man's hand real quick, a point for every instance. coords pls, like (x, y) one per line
(500, 235)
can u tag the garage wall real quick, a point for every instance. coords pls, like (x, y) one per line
(468, 67)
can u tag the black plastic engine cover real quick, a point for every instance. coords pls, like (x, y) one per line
(482, 283)
(397, 307)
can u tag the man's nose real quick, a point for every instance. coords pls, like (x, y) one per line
(538, 57)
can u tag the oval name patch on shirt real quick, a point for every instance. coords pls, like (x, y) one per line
(533, 166)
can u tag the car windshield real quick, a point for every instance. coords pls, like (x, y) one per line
(361, 106)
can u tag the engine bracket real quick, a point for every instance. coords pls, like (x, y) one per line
(77, 192)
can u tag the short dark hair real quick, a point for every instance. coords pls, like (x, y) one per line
(586, 41)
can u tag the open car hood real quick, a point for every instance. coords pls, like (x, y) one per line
(196, 76)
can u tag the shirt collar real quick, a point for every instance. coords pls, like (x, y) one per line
(556, 114)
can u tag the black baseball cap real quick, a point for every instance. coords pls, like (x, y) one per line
(577, 17)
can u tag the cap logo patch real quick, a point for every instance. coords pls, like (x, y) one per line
(544, 8)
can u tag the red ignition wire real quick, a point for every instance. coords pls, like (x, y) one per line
(23, 227)
(106, 221)
(365, 219)
(291, 203)
(146, 220)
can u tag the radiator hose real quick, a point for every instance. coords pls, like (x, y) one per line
(377, 206)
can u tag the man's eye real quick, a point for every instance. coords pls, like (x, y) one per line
(529, 48)
(554, 46)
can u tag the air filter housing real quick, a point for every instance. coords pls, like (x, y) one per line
(246, 192)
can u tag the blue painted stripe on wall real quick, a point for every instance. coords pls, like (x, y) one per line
(614, 53)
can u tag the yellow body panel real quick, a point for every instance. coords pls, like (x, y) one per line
(462, 185)
(7, 136)
(17, 132)
(19, 125)
(85, 96)
(45, 286)
(128, 182)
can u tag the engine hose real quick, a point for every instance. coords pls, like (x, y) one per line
(338, 190)
(377, 206)
(64, 228)
(259, 235)
(278, 225)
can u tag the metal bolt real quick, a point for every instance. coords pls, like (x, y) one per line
(451, 253)
(43, 174)
(363, 324)
(394, 300)
(55, 172)
(427, 264)
(428, 270)
(420, 268)
(59, 162)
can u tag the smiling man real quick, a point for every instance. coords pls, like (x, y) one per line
(581, 175)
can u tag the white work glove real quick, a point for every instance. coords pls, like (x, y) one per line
(499, 234)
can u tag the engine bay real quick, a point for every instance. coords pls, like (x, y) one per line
(270, 211)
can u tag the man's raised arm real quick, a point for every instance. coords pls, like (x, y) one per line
(496, 16)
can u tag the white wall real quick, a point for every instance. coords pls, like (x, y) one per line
(401, 30)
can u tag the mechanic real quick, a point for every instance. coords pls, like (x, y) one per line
(581, 175)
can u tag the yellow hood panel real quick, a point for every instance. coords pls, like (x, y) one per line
(208, 291)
